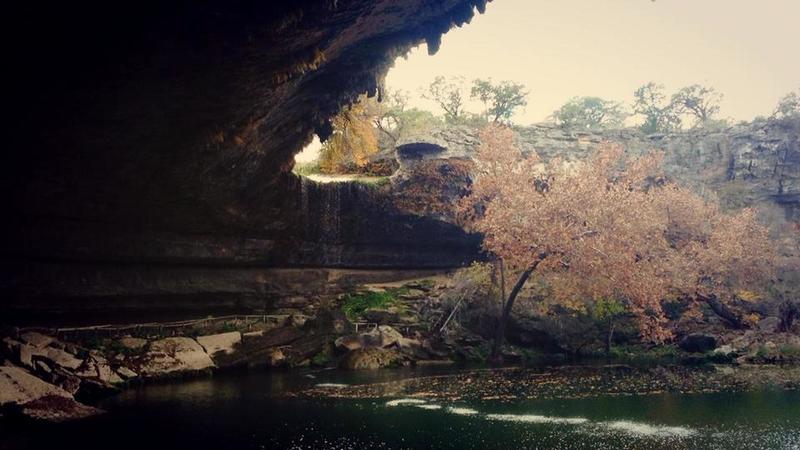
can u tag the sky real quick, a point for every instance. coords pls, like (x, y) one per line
(746, 49)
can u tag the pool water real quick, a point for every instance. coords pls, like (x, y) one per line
(252, 411)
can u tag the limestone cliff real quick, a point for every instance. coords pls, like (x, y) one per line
(755, 164)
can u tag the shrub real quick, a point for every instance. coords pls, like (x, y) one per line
(790, 351)
(355, 304)
(306, 169)
(321, 359)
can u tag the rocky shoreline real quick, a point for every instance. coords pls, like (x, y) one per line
(55, 376)
(43, 377)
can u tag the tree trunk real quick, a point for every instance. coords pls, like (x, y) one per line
(497, 356)
(723, 311)
(609, 338)
(502, 283)
(788, 312)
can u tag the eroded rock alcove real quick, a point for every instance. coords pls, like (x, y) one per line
(158, 139)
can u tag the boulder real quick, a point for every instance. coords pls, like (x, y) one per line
(65, 380)
(725, 350)
(173, 356)
(298, 320)
(97, 377)
(132, 343)
(126, 373)
(19, 386)
(370, 358)
(23, 393)
(225, 343)
(62, 358)
(10, 347)
(768, 324)
(107, 375)
(42, 366)
(276, 358)
(70, 348)
(698, 343)
(379, 337)
(382, 336)
(388, 335)
(348, 343)
(406, 343)
(25, 354)
(35, 339)
(28, 355)
(87, 370)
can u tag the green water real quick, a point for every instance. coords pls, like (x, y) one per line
(251, 411)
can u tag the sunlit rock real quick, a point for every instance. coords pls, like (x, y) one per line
(132, 343)
(126, 373)
(173, 356)
(23, 393)
(220, 343)
(37, 340)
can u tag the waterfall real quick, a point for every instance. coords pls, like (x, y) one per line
(304, 210)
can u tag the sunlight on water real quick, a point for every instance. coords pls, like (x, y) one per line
(331, 385)
(244, 412)
(462, 411)
(643, 429)
(405, 401)
(432, 407)
(534, 418)
(634, 429)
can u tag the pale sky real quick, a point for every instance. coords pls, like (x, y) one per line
(747, 49)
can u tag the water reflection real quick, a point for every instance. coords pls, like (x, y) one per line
(251, 411)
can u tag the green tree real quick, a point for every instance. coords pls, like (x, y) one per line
(500, 99)
(700, 102)
(606, 312)
(788, 106)
(448, 94)
(590, 113)
(659, 114)
(394, 120)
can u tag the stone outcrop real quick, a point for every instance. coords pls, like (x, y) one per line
(749, 164)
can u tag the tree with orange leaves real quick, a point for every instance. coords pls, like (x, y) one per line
(609, 227)
(716, 255)
(352, 142)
